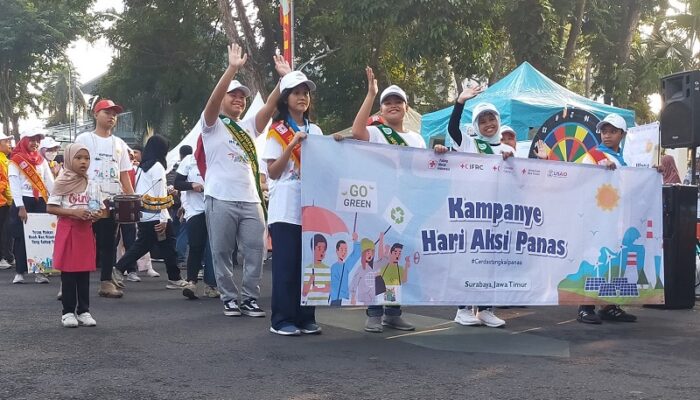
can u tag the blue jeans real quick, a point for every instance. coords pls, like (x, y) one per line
(181, 241)
(378, 311)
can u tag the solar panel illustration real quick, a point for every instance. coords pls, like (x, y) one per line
(619, 282)
(629, 290)
(593, 284)
(607, 290)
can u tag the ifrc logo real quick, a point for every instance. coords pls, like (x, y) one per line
(469, 166)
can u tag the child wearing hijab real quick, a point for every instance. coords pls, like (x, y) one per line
(486, 122)
(669, 170)
(74, 249)
(31, 181)
(155, 227)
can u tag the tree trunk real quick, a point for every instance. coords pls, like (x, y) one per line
(574, 33)
(587, 78)
(251, 78)
(255, 58)
(629, 28)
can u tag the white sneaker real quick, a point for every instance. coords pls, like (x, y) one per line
(19, 278)
(465, 316)
(133, 277)
(4, 264)
(178, 285)
(40, 278)
(489, 319)
(69, 321)
(85, 319)
(211, 292)
(152, 273)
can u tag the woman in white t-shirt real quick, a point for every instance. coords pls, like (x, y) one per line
(282, 154)
(155, 227)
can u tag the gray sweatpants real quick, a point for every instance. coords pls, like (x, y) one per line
(228, 223)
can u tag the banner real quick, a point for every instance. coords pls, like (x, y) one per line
(396, 225)
(39, 233)
(641, 145)
(287, 23)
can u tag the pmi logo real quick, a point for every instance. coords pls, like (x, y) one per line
(440, 164)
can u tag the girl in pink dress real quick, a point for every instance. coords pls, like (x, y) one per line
(74, 246)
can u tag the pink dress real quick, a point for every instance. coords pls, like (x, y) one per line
(74, 246)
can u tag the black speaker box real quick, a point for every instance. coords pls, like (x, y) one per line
(680, 115)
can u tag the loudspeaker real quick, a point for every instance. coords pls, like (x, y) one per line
(680, 115)
(679, 219)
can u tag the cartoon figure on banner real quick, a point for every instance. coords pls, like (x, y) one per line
(395, 275)
(363, 287)
(317, 275)
(341, 269)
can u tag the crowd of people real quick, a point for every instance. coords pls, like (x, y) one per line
(230, 199)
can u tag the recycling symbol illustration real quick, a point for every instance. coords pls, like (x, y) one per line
(397, 215)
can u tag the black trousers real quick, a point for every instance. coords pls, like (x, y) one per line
(286, 278)
(5, 237)
(75, 288)
(147, 239)
(197, 240)
(31, 205)
(128, 235)
(105, 231)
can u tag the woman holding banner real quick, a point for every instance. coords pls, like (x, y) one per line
(31, 181)
(283, 156)
(486, 122)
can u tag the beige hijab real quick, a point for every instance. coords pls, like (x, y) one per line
(70, 181)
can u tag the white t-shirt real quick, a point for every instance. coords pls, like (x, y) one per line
(285, 193)
(71, 201)
(21, 186)
(469, 146)
(192, 202)
(108, 158)
(229, 176)
(411, 138)
(148, 183)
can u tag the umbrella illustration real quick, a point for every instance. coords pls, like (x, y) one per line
(322, 220)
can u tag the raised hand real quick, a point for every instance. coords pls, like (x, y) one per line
(236, 57)
(542, 150)
(281, 65)
(372, 88)
(469, 93)
(507, 154)
(440, 149)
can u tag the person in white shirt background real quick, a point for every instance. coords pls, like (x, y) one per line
(31, 182)
(49, 148)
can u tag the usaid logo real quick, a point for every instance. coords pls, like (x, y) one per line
(552, 173)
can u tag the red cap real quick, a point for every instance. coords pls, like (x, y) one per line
(106, 104)
(375, 120)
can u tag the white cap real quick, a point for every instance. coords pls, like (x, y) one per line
(613, 119)
(32, 133)
(3, 136)
(48, 143)
(294, 79)
(393, 90)
(506, 128)
(235, 85)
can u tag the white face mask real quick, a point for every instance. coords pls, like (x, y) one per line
(50, 155)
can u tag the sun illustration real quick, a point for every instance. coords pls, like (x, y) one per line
(53, 225)
(607, 197)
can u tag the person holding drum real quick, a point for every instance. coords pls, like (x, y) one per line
(31, 181)
(154, 227)
(109, 172)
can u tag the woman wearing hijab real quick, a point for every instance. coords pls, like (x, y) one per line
(74, 251)
(155, 227)
(669, 170)
(31, 181)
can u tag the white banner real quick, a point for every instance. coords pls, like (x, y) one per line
(642, 145)
(39, 234)
(465, 229)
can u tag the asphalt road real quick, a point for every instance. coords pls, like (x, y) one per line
(155, 344)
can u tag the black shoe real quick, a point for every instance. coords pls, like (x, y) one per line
(615, 313)
(231, 309)
(250, 308)
(588, 317)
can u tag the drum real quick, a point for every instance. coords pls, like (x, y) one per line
(127, 208)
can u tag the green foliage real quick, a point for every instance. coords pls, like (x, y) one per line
(169, 58)
(62, 94)
(33, 35)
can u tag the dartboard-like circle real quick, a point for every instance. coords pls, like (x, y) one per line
(569, 134)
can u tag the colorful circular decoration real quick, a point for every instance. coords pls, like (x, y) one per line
(569, 135)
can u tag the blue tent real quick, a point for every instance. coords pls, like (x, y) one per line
(525, 98)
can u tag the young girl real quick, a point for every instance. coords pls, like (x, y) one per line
(31, 181)
(74, 248)
(486, 123)
(155, 228)
(283, 157)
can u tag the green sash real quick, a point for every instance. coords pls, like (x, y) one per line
(391, 136)
(246, 143)
(483, 147)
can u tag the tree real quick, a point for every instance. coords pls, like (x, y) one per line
(33, 34)
(62, 94)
